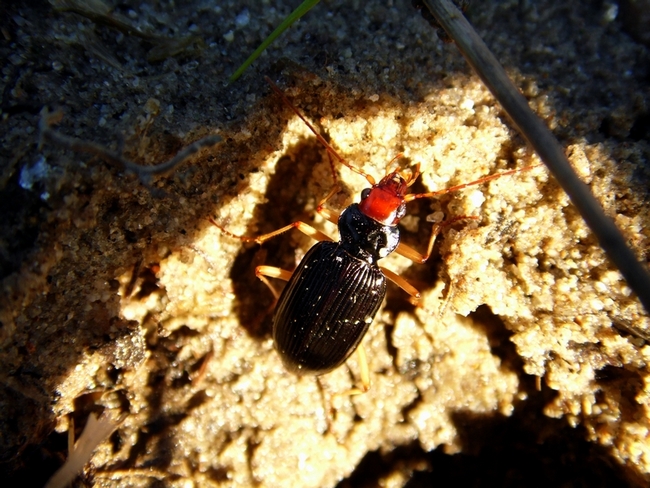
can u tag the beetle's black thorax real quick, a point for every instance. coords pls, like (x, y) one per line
(364, 237)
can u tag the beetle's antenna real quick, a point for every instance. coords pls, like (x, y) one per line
(320, 138)
(413, 196)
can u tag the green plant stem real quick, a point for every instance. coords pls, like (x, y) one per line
(301, 10)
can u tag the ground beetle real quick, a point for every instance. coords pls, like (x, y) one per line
(331, 299)
(334, 294)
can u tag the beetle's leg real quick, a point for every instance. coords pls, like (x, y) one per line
(328, 214)
(331, 193)
(415, 256)
(410, 253)
(402, 283)
(262, 272)
(306, 229)
(272, 272)
(301, 226)
(364, 373)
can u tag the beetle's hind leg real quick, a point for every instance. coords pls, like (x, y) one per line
(364, 373)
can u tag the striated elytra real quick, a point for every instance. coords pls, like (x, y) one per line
(334, 294)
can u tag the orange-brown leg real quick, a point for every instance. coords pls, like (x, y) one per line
(272, 272)
(301, 226)
(262, 272)
(410, 253)
(415, 256)
(364, 373)
(403, 284)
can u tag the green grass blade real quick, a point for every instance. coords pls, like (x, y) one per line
(301, 10)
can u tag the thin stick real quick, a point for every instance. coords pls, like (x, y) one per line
(540, 137)
(114, 158)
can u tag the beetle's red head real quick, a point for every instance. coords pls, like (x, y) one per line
(384, 202)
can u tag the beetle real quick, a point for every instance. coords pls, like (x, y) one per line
(332, 297)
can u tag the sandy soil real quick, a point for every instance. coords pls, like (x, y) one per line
(525, 362)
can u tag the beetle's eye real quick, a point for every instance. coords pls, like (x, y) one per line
(365, 193)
